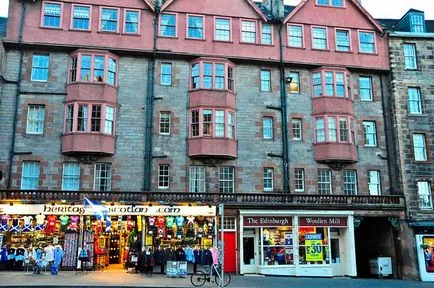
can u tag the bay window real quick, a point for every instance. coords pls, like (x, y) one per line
(100, 68)
(331, 83)
(89, 118)
(212, 75)
(212, 122)
(334, 129)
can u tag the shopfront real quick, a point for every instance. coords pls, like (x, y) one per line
(297, 243)
(424, 231)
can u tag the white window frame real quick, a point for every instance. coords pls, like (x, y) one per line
(362, 49)
(370, 133)
(419, 147)
(368, 79)
(248, 31)
(71, 176)
(410, 59)
(265, 75)
(267, 127)
(226, 29)
(266, 29)
(109, 120)
(425, 195)
(414, 101)
(350, 182)
(315, 36)
(325, 181)
(165, 122)
(99, 177)
(374, 182)
(197, 179)
(35, 119)
(194, 28)
(161, 30)
(417, 23)
(226, 179)
(294, 86)
(30, 175)
(163, 176)
(299, 179)
(295, 36)
(297, 129)
(40, 69)
(166, 78)
(343, 46)
(268, 179)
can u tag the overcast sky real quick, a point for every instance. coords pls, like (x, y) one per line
(378, 8)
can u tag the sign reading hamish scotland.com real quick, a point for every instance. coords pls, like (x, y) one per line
(323, 221)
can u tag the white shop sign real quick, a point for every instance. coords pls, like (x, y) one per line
(48, 209)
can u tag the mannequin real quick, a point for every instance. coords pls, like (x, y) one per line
(58, 255)
(49, 253)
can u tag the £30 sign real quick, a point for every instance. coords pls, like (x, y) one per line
(313, 247)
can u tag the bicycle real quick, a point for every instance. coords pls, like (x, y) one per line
(200, 277)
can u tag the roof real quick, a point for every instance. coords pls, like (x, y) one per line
(389, 24)
(3, 26)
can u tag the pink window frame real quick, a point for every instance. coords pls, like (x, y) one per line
(43, 14)
(214, 63)
(230, 29)
(124, 24)
(322, 72)
(71, 26)
(326, 117)
(261, 25)
(375, 41)
(89, 118)
(349, 39)
(302, 35)
(176, 24)
(326, 34)
(241, 30)
(213, 123)
(118, 22)
(203, 26)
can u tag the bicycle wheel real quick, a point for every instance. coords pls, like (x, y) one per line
(227, 279)
(198, 278)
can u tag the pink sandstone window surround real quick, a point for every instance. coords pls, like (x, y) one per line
(334, 129)
(87, 117)
(168, 25)
(131, 24)
(343, 40)
(222, 29)
(195, 27)
(211, 74)
(331, 3)
(266, 34)
(249, 31)
(367, 42)
(93, 67)
(213, 123)
(52, 15)
(81, 17)
(109, 19)
(295, 35)
(319, 37)
(331, 83)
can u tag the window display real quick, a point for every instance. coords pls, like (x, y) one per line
(314, 245)
(277, 246)
(428, 246)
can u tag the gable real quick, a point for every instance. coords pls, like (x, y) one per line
(232, 8)
(352, 16)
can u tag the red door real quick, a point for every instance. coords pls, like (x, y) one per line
(230, 252)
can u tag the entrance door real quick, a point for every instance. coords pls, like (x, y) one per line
(337, 256)
(249, 258)
(230, 252)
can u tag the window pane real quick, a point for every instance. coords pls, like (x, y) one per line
(132, 21)
(109, 119)
(98, 70)
(319, 38)
(222, 29)
(35, 119)
(52, 13)
(414, 101)
(102, 177)
(299, 179)
(109, 20)
(40, 65)
(197, 179)
(425, 196)
(374, 183)
(342, 40)
(268, 179)
(81, 16)
(226, 180)
(265, 80)
(365, 88)
(163, 176)
(168, 25)
(294, 86)
(165, 122)
(419, 147)
(219, 123)
(296, 129)
(410, 56)
(30, 175)
(268, 128)
(195, 27)
(332, 129)
(370, 133)
(329, 83)
(320, 130)
(366, 40)
(324, 181)
(86, 63)
(295, 34)
(207, 122)
(71, 176)
(248, 31)
(317, 84)
(350, 182)
(266, 34)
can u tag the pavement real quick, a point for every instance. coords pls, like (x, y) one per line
(122, 279)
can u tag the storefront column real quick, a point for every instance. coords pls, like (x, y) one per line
(296, 242)
(352, 267)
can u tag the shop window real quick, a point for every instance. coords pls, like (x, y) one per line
(226, 180)
(374, 182)
(165, 119)
(335, 84)
(414, 101)
(211, 75)
(350, 182)
(343, 40)
(319, 38)
(370, 131)
(132, 21)
(215, 123)
(425, 195)
(98, 68)
(277, 243)
(410, 56)
(163, 176)
(268, 179)
(295, 36)
(324, 181)
(71, 176)
(419, 147)
(52, 15)
(222, 30)
(297, 129)
(365, 84)
(30, 175)
(102, 177)
(294, 85)
(168, 25)
(267, 127)
(314, 245)
(90, 122)
(197, 179)
(35, 119)
(267, 37)
(81, 17)
(366, 42)
(265, 80)
(40, 64)
(299, 179)
(248, 31)
(195, 27)
(109, 19)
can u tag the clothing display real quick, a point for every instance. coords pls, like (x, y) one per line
(27, 224)
(70, 246)
(49, 253)
(40, 221)
(4, 219)
(73, 223)
(15, 227)
(51, 224)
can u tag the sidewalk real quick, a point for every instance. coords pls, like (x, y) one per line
(122, 279)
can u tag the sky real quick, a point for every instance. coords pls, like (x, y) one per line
(394, 9)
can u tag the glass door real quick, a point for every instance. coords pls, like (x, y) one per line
(250, 251)
(337, 256)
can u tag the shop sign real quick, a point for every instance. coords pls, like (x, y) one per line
(266, 221)
(323, 221)
(313, 246)
(117, 210)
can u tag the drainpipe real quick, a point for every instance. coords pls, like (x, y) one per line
(17, 95)
(284, 116)
(150, 105)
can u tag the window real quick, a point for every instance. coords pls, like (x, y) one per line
(343, 40)
(320, 130)
(111, 72)
(40, 63)
(365, 84)
(163, 176)
(268, 179)
(374, 182)
(82, 118)
(81, 17)
(96, 68)
(195, 27)
(195, 76)
(102, 177)
(132, 20)
(414, 101)
(165, 123)
(30, 175)
(166, 74)
(109, 119)
(295, 36)
(73, 69)
(419, 147)
(86, 65)
(319, 36)
(299, 179)
(52, 15)
(333, 131)
(207, 75)
(168, 25)
(350, 182)
(343, 130)
(340, 84)
(211, 76)
(294, 86)
(35, 119)
(71, 176)
(96, 118)
(69, 118)
(265, 80)
(329, 84)
(370, 131)
(367, 42)
(324, 181)
(219, 123)
(230, 78)
(338, 3)
(215, 123)
(226, 180)
(197, 179)
(410, 56)
(219, 76)
(317, 84)
(222, 29)
(334, 3)
(248, 31)
(207, 122)
(231, 125)
(425, 195)
(267, 127)
(417, 23)
(109, 19)
(195, 123)
(297, 131)
(267, 31)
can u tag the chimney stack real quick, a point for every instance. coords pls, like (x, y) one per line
(275, 7)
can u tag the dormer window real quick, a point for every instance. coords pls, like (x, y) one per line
(417, 23)
(333, 3)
